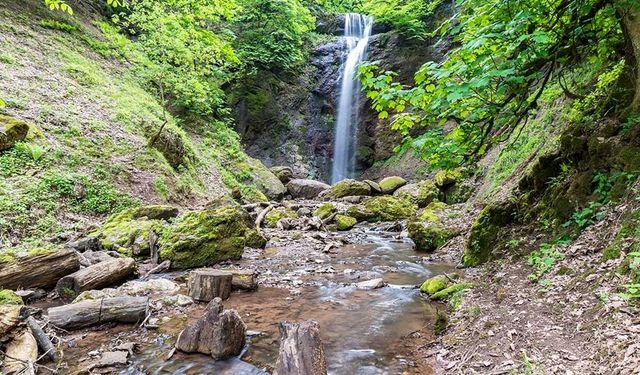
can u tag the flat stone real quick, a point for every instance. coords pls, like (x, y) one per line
(371, 284)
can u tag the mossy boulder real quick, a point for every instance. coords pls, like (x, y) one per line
(344, 222)
(349, 187)
(484, 233)
(266, 181)
(421, 193)
(325, 210)
(9, 297)
(446, 178)
(431, 213)
(375, 187)
(447, 292)
(277, 214)
(11, 131)
(307, 189)
(459, 192)
(391, 184)
(129, 231)
(173, 146)
(204, 238)
(284, 174)
(428, 237)
(434, 285)
(383, 208)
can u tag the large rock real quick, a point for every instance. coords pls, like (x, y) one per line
(485, 232)
(428, 237)
(349, 187)
(266, 181)
(391, 184)
(274, 216)
(11, 131)
(309, 189)
(421, 193)
(325, 210)
(219, 333)
(383, 208)
(301, 350)
(284, 174)
(204, 238)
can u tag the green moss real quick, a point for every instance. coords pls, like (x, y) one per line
(325, 210)
(484, 233)
(277, 214)
(447, 177)
(8, 297)
(350, 187)
(421, 193)
(204, 238)
(444, 293)
(440, 325)
(434, 284)
(11, 131)
(428, 237)
(345, 222)
(255, 239)
(384, 208)
(391, 184)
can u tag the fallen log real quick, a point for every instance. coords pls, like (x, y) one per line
(97, 276)
(39, 271)
(42, 339)
(164, 266)
(262, 215)
(207, 284)
(301, 350)
(92, 312)
(21, 354)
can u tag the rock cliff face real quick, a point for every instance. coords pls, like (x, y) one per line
(289, 120)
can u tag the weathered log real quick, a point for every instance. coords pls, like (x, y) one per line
(21, 354)
(301, 350)
(39, 271)
(97, 276)
(9, 318)
(243, 280)
(92, 312)
(207, 284)
(262, 215)
(218, 333)
(164, 266)
(42, 339)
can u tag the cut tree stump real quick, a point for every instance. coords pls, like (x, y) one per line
(97, 276)
(243, 280)
(301, 350)
(38, 271)
(207, 284)
(92, 312)
(219, 333)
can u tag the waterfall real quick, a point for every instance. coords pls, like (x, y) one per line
(357, 30)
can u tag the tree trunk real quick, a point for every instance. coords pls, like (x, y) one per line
(301, 350)
(205, 285)
(39, 271)
(97, 276)
(631, 31)
(92, 312)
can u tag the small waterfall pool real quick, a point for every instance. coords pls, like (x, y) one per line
(357, 30)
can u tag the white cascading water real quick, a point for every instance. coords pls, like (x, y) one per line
(357, 30)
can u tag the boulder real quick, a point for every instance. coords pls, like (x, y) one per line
(434, 284)
(284, 174)
(308, 189)
(301, 350)
(173, 145)
(383, 208)
(218, 333)
(267, 182)
(390, 184)
(428, 237)
(375, 187)
(350, 187)
(9, 297)
(11, 131)
(204, 238)
(21, 354)
(421, 193)
(9, 317)
(274, 216)
(344, 222)
(325, 210)
(485, 231)
(447, 178)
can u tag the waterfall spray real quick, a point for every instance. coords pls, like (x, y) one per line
(357, 30)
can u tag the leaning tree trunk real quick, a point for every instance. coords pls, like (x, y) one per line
(631, 31)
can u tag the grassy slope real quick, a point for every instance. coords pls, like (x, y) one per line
(87, 155)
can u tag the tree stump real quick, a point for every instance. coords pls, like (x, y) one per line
(218, 333)
(97, 276)
(301, 350)
(92, 312)
(243, 280)
(207, 284)
(39, 271)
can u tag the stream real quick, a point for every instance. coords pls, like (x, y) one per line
(364, 331)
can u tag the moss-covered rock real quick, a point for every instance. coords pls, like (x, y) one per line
(325, 210)
(391, 184)
(173, 146)
(267, 182)
(9, 297)
(255, 239)
(344, 222)
(350, 187)
(459, 192)
(428, 237)
(445, 293)
(375, 187)
(383, 208)
(421, 193)
(447, 177)
(204, 238)
(484, 233)
(155, 212)
(284, 174)
(277, 214)
(434, 284)
(11, 131)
